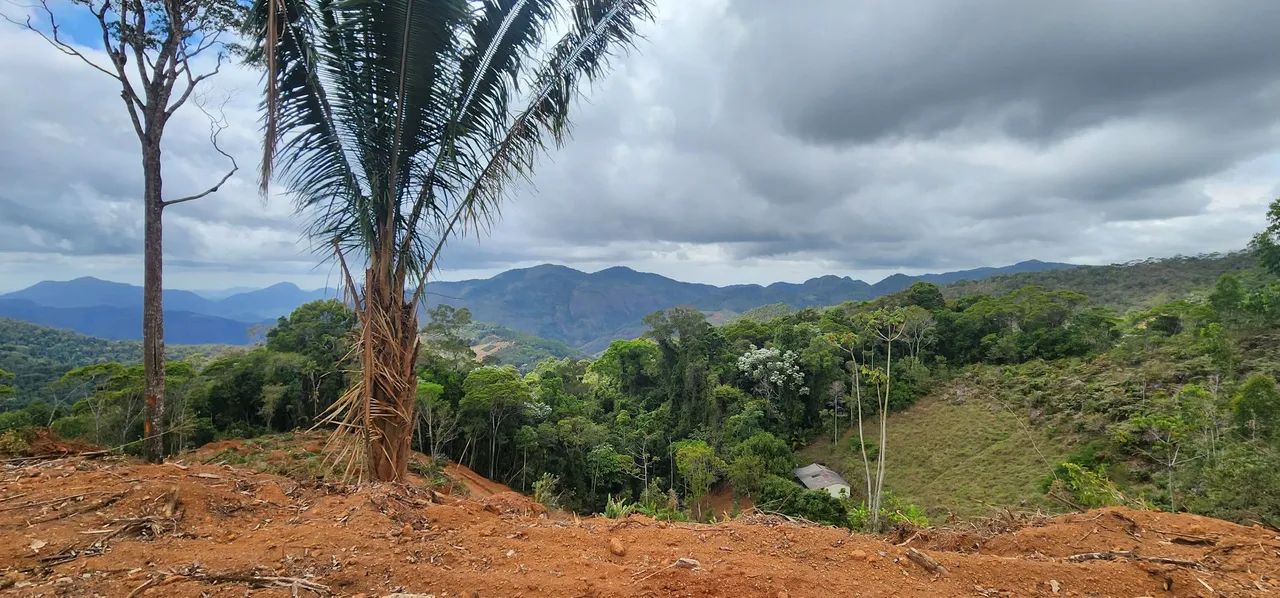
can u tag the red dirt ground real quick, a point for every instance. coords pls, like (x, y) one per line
(116, 527)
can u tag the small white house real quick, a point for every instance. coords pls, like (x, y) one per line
(819, 477)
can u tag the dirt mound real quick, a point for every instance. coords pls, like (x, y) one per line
(476, 484)
(300, 455)
(43, 442)
(76, 527)
(512, 503)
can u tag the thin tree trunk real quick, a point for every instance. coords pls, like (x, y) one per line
(153, 304)
(862, 442)
(884, 419)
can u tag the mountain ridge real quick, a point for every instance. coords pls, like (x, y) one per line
(586, 310)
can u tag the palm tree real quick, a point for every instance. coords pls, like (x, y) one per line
(397, 124)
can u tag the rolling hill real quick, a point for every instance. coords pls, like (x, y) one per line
(588, 310)
(584, 310)
(39, 355)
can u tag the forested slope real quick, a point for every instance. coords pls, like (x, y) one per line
(1173, 405)
(1121, 287)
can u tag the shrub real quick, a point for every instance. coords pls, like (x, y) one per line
(1243, 485)
(782, 496)
(1085, 487)
(546, 491)
(618, 509)
(14, 420)
(14, 442)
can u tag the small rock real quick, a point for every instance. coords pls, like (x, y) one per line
(64, 581)
(407, 530)
(617, 547)
(511, 552)
(687, 563)
(858, 554)
(1054, 585)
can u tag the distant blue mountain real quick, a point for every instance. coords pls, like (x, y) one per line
(250, 306)
(125, 323)
(587, 311)
(272, 302)
(88, 291)
(584, 310)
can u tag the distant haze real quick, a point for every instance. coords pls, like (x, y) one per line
(586, 311)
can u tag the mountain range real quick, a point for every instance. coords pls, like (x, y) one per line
(588, 310)
(584, 310)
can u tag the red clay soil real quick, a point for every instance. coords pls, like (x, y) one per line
(476, 484)
(114, 527)
(722, 503)
(42, 442)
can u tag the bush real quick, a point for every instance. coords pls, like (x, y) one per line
(617, 509)
(14, 442)
(1085, 487)
(14, 420)
(1243, 485)
(1256, 408)
(782, 496)
(546, 491)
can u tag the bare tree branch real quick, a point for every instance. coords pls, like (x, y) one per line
(217, 125)
(192, 82)
(56, 40)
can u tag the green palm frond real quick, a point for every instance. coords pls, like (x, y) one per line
(398, 123)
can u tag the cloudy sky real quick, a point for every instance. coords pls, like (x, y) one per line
(746, 141)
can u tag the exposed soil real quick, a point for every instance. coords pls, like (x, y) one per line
(476, 484)
(116, 527)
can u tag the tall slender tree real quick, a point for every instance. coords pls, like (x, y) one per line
(398, 124)
(173, 45)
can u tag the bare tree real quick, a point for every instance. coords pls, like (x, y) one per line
(887, 326)
(852, 344)
(918, 329)
(173, 46)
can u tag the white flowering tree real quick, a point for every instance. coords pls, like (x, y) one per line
(777, 377)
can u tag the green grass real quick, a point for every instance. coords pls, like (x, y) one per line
(967, 457)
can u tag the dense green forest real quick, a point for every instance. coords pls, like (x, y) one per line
(38, 356)
(1171, 404)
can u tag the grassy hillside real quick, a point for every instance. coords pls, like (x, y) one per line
(955, 452)
(500, 345)
(1122, 286)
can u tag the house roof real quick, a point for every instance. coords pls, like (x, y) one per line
(815, 477)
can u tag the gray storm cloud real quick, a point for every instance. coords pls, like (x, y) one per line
(752, 141)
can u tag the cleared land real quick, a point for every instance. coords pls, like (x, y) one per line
(116, 527)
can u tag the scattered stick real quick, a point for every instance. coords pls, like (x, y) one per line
(56, 456)
(929, 563)
(1181, 538)
(262, 581)
(1111, 555)
(194, 572)
(93, 506)
(908, 540)
(47, 502)
(142, 588)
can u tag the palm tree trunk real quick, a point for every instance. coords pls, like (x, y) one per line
(152, 304)
(389, 337)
